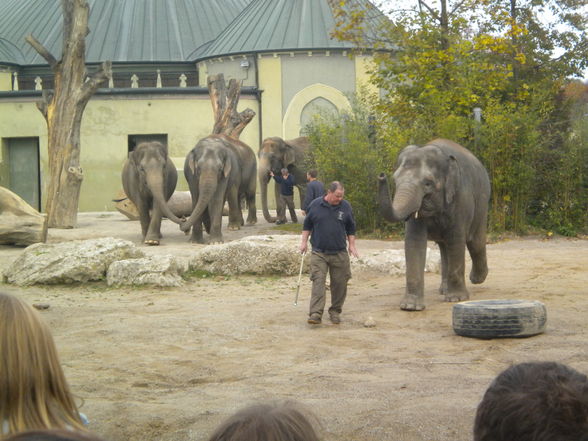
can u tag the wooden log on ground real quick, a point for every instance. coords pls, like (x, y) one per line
(180, 204)
(20, 224)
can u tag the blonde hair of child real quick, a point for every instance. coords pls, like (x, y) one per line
(33, 391)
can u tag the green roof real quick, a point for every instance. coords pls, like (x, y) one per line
(139, 31)
(285, 25)
(120, 30)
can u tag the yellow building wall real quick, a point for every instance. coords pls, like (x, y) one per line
(5, 80)
(106, 124)
(270, 81)
(362, 77)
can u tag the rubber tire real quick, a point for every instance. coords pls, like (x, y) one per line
(499, 318)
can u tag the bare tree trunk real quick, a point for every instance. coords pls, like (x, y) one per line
(227, 120)
(63, 108)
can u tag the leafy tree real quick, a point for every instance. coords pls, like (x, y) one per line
(443, 62)
(345, 148)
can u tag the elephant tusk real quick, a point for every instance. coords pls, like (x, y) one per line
(416, 215)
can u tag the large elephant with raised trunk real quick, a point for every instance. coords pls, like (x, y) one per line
(442, 194)
(219, 168)
(276, 154)
(149, 179)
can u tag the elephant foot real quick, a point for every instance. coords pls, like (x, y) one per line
(457, 296)
(443, 290)
(215, 241)
(412, 303)
(478, 276)
(250, 223)
(151, 242)
(199, 240)
(234, 227)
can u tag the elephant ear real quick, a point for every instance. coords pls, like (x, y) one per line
(289, 155)
(192, 164)
(452, 180)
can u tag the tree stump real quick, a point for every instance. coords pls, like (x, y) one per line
(20, 224)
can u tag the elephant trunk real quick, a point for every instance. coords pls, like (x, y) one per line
(155, 185)
(384, 199)
(206, 189)
(263, 170)
(407, 200)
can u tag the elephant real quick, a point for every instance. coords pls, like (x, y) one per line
(149, 178)
(219, 168)
(276, 154)
(442, 194)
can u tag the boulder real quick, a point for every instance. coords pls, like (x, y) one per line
(69, 262)
(267, 255)
(261, 255)
(153, 270)
(393, 261)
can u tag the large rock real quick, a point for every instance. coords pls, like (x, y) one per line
(262, 255)
(393, 261)
(266, 255)
(69, 262)
(153, 270)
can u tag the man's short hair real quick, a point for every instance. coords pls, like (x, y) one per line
(538, 401)
(334, 186)
(312, 173)
(284, 170)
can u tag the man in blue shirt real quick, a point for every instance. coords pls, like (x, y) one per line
(330, 225)
(287, 183)
(314, 189)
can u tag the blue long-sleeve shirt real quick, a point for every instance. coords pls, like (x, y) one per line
(286, 185)
(314, 189)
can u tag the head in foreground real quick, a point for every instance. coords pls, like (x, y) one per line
(33, 391)
(281, 421)
(538, 401)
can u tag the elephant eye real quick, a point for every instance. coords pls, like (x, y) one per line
(429, 185)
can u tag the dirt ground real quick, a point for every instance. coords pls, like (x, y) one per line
(170, 364)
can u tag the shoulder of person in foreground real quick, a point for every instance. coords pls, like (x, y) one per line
(53, 435)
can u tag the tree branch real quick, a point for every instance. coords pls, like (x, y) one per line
(245, 118)
(90, 86)
(44, 103)
(431, 10)
(42, 51)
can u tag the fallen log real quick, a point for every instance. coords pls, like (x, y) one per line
(20, 224)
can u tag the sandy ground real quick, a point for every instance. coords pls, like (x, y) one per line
(171, 364)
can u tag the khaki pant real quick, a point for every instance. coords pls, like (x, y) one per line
(287, 201)
(337, 265)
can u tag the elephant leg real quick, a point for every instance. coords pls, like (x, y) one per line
(206, 221)
(154, 230)
(250, 196)
(456, 289)
(443, 251)
(415, 250)
(144, 218)
(215, 212)
(477, 249)
(252, 213)
(197, 236)
(235, 215)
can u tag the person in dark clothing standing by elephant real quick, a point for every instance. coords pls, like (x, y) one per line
(287, 183)
(314, 189)
(330, 225)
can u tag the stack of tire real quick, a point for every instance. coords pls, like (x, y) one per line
(499, 318)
